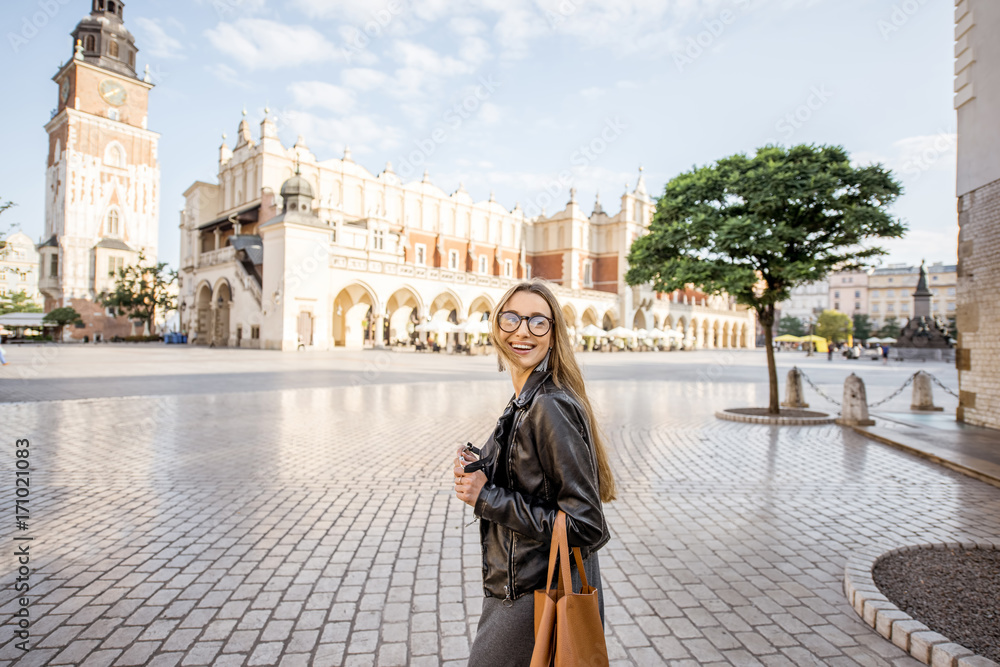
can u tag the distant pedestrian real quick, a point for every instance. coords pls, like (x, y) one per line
(829, 353)
(885, 355)
(545, 455)
(3, 357)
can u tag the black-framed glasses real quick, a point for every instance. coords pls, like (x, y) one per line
(538, 325)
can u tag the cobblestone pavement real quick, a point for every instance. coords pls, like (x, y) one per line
(317, 526)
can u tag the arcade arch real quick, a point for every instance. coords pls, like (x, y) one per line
(403, 308)
(352, 309)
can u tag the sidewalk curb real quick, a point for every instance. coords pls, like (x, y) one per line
(982, 475)
(895, 625)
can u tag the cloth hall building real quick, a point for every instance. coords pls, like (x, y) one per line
(288, 251)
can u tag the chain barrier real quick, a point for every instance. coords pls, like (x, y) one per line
(817, 389)
(941, 384)
(885, 400)
(894, 394)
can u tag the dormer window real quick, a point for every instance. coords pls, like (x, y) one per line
(131, 59)
(113, 49)
(90, 44)
(111, 7)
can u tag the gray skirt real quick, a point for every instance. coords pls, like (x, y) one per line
(505, 636)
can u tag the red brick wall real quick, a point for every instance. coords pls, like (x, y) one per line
(605, 273)
(97, 322)
(549, 267)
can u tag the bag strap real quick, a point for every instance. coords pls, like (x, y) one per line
(559, 550)
(554, 553)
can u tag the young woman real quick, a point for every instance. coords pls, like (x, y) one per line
(545, 455)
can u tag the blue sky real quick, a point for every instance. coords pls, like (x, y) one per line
(519, 97)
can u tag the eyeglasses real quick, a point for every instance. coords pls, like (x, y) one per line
(538, 325)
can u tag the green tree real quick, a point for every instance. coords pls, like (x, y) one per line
(18, 302)
(890, 328)
(757, 227)
(834, 326)
(792, 326)
(951, 326)
(862, 326)
(140, 290)
(62, 317)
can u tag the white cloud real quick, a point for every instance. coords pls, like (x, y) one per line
(466, 26)
(490, 113)
(382, 12)
(227, 74)
(363, 133)
(321, 94)
(924, 153)
(229, 9)
(363, 78)
(593, 92)
(155, 40)
(264, 44)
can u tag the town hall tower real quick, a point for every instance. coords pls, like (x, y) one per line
(102, 193)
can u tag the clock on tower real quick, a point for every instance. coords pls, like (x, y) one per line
(103, 176)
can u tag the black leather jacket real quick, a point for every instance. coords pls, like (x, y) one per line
(551, 465)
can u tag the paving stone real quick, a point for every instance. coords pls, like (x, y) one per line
(729, 539)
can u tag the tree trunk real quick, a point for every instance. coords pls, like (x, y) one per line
(767, 322)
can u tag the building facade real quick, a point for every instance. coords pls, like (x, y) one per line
(286, 250)
(890, 292)
(849, 292)
(807, 301)
(977, 102)
(103, 178)
(19, 267)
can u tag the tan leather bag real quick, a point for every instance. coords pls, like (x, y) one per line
(568, 629)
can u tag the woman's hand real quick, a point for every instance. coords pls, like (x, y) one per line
(467, 485)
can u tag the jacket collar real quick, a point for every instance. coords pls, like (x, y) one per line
(531, 387)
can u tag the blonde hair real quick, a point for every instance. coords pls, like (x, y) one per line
(565, 371)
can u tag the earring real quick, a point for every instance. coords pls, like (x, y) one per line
(544, 364)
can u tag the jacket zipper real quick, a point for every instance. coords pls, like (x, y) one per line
(509, 588)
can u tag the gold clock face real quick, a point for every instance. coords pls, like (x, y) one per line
(113, 92)
(64, 90)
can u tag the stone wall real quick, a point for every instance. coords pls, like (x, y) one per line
(978, 353)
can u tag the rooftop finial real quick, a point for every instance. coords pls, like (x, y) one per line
(78, 55)
(147, 77)
(244, 111)
(298, 168)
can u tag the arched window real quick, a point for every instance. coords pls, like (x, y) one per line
(91, 44)
(113, 49)
(111, 7)
(114, 155)
(113, 226)
(131, 58)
